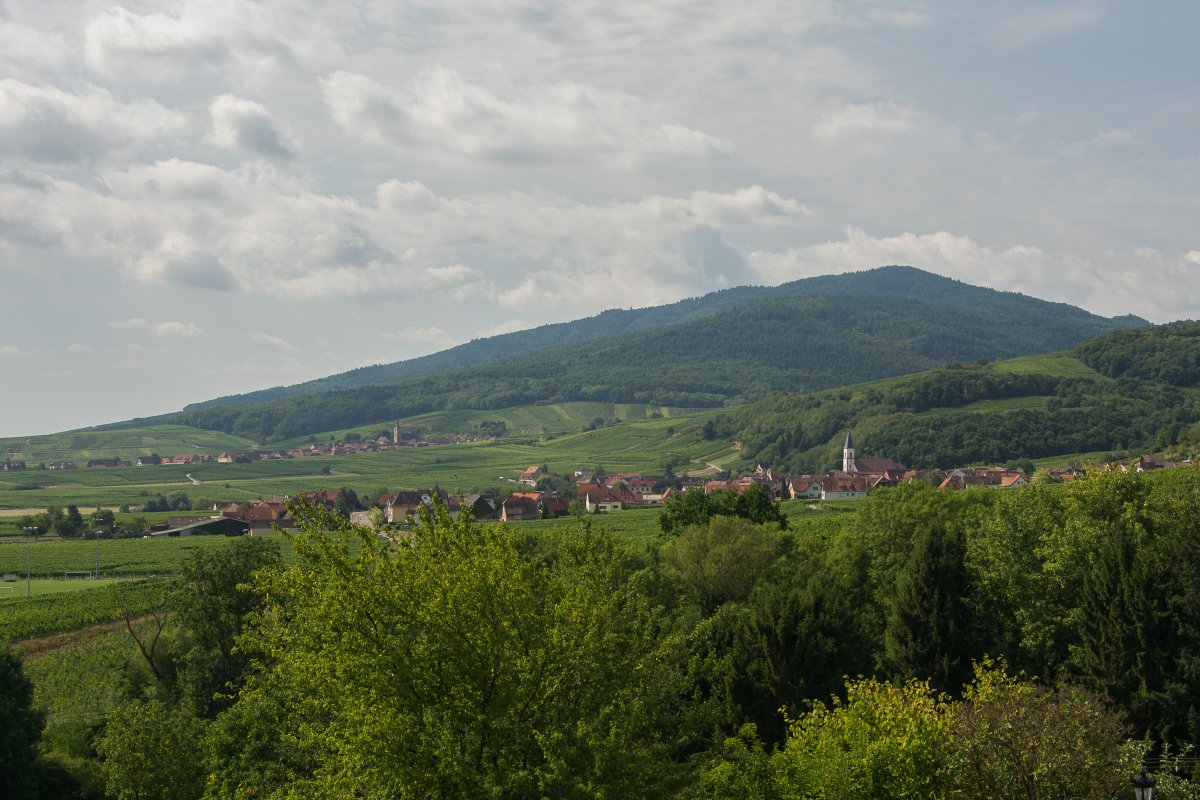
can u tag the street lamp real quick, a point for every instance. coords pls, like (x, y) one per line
(1143, 786)
(96, 574)
(29, 558)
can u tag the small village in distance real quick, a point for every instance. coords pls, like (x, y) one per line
(545, 494)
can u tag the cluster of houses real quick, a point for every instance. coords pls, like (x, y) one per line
(600, 492)
(399, 440)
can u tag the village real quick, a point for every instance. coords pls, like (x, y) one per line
(545, 494)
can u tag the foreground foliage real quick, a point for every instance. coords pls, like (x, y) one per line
(458, 660)
(458, 664)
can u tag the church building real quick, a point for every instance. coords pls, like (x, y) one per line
(852, 465)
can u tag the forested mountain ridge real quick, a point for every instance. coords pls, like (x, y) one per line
(1141, 394)
(729, 347)
(1060, 321)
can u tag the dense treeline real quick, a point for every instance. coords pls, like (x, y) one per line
(1167, 353)
(467, 661)
(718, 353)
(1068, 415)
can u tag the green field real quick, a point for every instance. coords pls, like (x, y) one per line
(26, 617)
(58, 585)
(640, 445)
(550, 419)
(538, 420)
(1058, 365)
(118, 557)
(994, 406)
(79, 446)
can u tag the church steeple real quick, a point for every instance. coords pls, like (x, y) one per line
(848, 455)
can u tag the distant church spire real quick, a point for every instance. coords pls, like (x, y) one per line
(396, 433)
(848, 464)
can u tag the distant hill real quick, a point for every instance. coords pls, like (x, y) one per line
(1143, 394)
(732, 346)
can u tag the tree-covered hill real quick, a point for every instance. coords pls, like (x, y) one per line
(1002, 412)
(729, 347)
(1167, 353)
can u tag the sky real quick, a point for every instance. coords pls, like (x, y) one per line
(203, 197)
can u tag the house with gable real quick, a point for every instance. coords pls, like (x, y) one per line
(844, 487)
(520, 505)
(532, 475)
(804, 487)
(601, 499)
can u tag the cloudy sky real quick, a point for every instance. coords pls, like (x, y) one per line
(211, 196)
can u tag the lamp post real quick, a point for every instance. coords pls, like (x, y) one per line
(29, 559)
(1143, 786)
(96, 574)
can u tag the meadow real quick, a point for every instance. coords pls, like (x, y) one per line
(639, 445)
(52, 559)
(27, 617)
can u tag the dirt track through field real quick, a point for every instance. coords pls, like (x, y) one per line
(40, 646)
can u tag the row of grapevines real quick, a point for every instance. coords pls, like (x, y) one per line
(26, 617)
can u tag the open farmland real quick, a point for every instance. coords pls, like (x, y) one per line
(25, 617)
(124, 442)
(628, 446)
(118, 557)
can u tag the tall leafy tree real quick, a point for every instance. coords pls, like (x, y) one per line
(20, 728)
(929, 630)
(462, 663)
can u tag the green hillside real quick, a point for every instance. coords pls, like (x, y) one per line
(897, 283)
(645, 445)
(723, 349)
(1028, 408)
(125, 442)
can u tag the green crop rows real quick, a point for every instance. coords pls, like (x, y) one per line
(25, 617)
(118, 557)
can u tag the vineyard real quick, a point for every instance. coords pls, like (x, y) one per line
(26, 617)
(118, 557)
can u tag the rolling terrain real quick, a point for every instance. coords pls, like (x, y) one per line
(726, 348)
(1047, 408)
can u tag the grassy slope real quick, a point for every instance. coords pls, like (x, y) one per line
(128, 443)
(640, 445)
(550, 434)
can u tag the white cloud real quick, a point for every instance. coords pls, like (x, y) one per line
(258, 230)
(276, 342)
(78, 348)
(1103, 140)
(534, 122)
(241, 124)
(162, 47)
(168, 328)
(853, 120)
(12, 351)
(48, 124)
(28, 51)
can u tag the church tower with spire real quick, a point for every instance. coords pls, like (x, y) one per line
(848, 464)
(396, 433)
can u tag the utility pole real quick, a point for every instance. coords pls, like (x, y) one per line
(29, 560)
